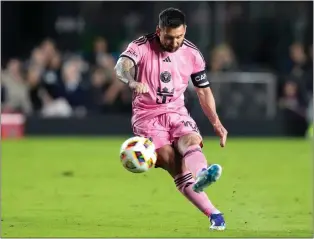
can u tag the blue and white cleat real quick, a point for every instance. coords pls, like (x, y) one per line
(217, 222)
(206, 177)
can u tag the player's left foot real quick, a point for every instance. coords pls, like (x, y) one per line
(217, 222)
(206, 177)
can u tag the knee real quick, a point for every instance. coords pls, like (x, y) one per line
(187, 141)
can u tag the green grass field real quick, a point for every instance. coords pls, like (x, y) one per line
(76, 187)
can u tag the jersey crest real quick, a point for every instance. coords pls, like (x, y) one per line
(165, 76)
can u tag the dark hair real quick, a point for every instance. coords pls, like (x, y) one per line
(171, 17)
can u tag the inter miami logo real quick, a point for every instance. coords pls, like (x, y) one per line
(164, 95)
(165, 77)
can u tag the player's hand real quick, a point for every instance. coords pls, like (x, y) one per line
(221, 132)
(138, 87)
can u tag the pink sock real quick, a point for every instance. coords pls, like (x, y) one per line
(184, 184)
(194, 159)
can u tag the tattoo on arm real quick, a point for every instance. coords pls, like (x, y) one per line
(125, 70)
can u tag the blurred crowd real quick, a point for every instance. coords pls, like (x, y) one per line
(296, 79)
(52, 83)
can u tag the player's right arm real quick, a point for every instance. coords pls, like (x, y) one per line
(126, 68)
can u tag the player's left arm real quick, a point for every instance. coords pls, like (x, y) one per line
(208, 104)
(206, 97)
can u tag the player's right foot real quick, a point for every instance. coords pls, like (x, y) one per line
(206, 177)
(217, 222)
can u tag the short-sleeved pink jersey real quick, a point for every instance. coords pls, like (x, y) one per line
(166, 75)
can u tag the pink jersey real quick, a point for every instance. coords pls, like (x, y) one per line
(166, 75)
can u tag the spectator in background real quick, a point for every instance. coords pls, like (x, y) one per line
(52, 75)
(70, 95)
(59, 85)
(36, 90)
(37, 58)
(222, 59)
(82, 66)
(297, 60)
(100, 48)
(293, 105)
(107, 63)
(17, 98)
(42, 102)
(107, 94)
(296, 89)
(97, 90)
(48, 48)
(292, 98)
(117, 97)
(72, 88)
(54, 65)
(295, 71)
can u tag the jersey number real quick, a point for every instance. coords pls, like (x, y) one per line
(164, 95)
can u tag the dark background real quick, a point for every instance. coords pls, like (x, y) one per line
(251, 37)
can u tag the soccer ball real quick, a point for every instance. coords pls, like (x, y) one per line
(137, 154)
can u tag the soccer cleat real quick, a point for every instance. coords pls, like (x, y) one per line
(206, 177)
(217, 222)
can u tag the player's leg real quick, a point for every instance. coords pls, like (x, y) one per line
(170, 160)
(166, 159)
(188, 144)
(184, 181)
(157, 132)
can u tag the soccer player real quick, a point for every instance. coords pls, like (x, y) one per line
(157, 67)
